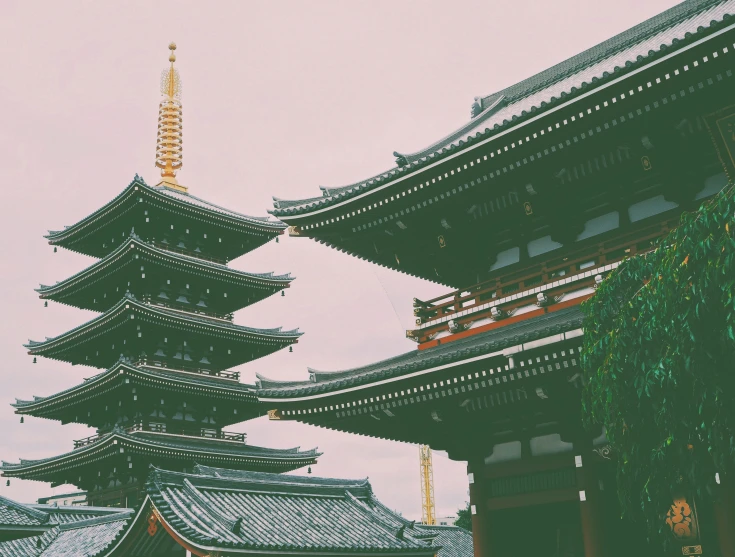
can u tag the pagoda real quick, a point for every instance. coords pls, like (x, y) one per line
(164, 336)
(522, 212)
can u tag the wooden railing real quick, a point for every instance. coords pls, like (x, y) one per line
(568, 263)
(205, 433)
(156, 364)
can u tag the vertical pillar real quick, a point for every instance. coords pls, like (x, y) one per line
(590, 505)
(481, 534)
(724, 510)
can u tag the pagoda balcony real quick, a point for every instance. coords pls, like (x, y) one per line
(187, 308)
(203, 433)
(189, 253)
(161, 365)
(572, 275)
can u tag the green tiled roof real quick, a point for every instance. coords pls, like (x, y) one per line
(183, 199)
(156, 377)
(220, 511)
(417, 360)
(502, 110)
(206, 327)
(199, 449)
(191, 265)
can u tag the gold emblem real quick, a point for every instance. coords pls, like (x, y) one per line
(646, 162)
(274, 414)
(691, 550)
(152, 526)
(442, 241)
(294, 231)
(682, 520)
(527, 207)
(169, 144)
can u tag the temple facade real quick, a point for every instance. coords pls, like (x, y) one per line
(164, 337)
(521, 213)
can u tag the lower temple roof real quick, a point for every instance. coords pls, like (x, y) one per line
(221, 511)
(73, 530)
(19, 521)
(161, 446)
(480, 344)
(270, 513)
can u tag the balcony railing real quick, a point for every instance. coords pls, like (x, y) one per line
(189, 253)
(188, 308)
(515, 288)
(204, 433)
(157, 364)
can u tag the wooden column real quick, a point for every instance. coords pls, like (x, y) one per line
(481, 527)
(590, 505)
(724, 510)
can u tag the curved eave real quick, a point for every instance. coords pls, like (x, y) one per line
(419, 362)
(227, 451)
(182, 319)
(291, 210)
(199, 266)
(193, 204)
(220, 388)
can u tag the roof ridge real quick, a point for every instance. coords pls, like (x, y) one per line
(191, 490)
(104, 519)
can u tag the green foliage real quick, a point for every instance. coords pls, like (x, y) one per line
(659, 363)
(464, 518)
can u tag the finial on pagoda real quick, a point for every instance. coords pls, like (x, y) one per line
(169, 144)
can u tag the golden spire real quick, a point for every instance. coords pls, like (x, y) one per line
(169, 145)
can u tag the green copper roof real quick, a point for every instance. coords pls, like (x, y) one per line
(100, 385)
(181, 198)
(417, 360)
(129, 308)
(135, 251)
(271, 513)
(164, 446)
(504, 109)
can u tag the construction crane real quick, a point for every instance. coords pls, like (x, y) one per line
(428, 509)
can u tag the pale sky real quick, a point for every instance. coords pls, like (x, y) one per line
(279, 98)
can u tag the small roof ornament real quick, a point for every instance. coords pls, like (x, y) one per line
(169, 143)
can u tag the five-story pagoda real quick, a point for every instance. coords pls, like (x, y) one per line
(165, 335)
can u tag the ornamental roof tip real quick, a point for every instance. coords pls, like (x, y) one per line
(491, 114)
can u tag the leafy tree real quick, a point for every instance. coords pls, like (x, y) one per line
(464, 518)
(659, 363)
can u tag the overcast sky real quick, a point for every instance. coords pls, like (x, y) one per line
(279, 98)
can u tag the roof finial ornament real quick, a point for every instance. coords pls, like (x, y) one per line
(169, 144)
